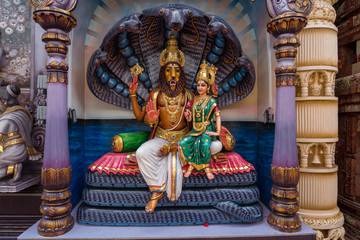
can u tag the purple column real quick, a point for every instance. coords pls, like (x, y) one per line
(285, 166)
(56, 19)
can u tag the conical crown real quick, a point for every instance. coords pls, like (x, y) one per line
(207, 73)
(172, 54)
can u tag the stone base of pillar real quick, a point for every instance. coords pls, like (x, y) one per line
(284, 204)
(318, 202)
(330, 228)
(55, 227)
(56, 206)
(284, 224)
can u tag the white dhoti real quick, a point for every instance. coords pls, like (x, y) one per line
(160, 173)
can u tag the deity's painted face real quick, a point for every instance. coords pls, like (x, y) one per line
(172, 74)
(202, 87)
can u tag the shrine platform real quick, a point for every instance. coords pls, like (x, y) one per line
(254, 231)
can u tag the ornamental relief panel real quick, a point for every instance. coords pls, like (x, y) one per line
(315, 83)
(316, 154)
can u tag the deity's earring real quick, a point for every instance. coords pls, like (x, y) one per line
(207, 91)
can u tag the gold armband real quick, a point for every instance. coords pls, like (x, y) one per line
(218, 131)
(217, 113)
(132, 95)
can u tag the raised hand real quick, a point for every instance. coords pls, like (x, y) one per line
(151, 113)
(133, 86)
(215, 89)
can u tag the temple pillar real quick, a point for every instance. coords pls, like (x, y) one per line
(56, 19)
(287, 21)
(317, 122)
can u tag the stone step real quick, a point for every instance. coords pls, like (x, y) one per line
(108, 197)
(224, 212)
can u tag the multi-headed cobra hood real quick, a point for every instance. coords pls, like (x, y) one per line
(142, 37)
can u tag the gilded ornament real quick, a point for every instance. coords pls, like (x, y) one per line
(117, 143)
(172, 101)
(171, 136)
(136, 70)
(172, 54)
(207, 73)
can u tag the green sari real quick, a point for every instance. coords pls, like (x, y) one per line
(195, 145)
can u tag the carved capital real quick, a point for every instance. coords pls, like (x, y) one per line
(322, 10)
(279, 7)
(54, 18)
(67, 5)
(286, 24)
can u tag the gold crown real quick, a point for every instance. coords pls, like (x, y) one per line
(172, 53)
(207, 73)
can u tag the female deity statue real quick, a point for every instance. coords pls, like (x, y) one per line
(201, 142)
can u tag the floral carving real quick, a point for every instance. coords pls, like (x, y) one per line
(67, 5)
(327, 223)
(279, 7)
(322, 10)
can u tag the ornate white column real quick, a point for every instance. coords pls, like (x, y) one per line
(317, 122)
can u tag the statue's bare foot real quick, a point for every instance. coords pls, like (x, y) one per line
(187, 174)
(150, 207)
(189, 170)
(17, 172)
(209, 174)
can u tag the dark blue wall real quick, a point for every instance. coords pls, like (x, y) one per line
(90, 139)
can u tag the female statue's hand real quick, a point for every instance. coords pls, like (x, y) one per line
(133, 86)
(151, 113)
(212, 133)
(187, 115)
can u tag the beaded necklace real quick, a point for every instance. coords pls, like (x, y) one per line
(172, 100)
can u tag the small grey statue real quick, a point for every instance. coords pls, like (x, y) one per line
(15, 133)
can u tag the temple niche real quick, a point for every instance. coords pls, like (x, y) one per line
(85, 66)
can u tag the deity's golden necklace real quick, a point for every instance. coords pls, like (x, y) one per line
(198, 105)
(198, 111)
(172, 101)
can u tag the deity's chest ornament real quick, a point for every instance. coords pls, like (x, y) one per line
(172, 101)
(199, 123)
